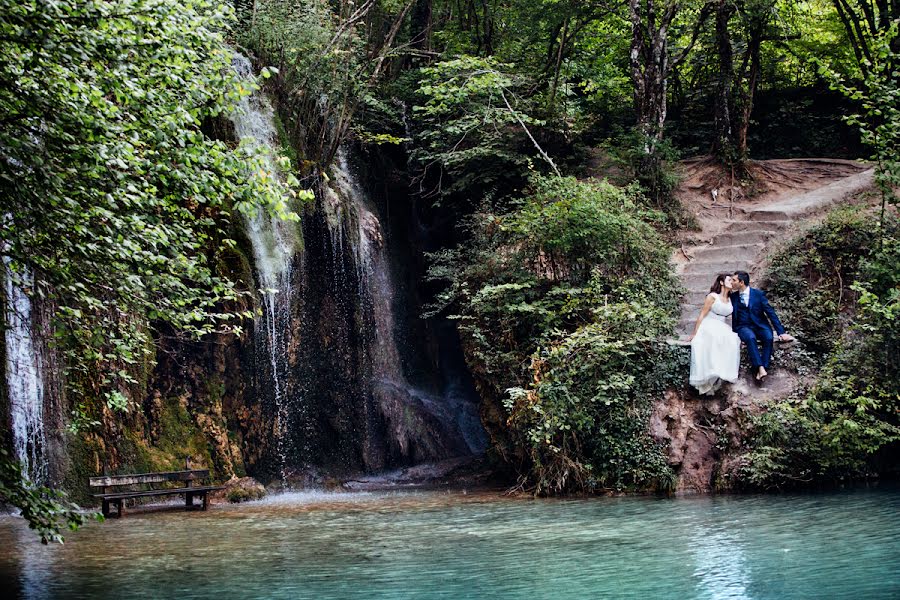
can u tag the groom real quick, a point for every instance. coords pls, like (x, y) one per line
(749, 321)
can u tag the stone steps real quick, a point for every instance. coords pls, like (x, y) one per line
(723, 254)
(713, 268)
(743, 240)
(769, 214)
(737, 238)
(687, 322)
(689, 313)
(694, 298)
(751, 226)
(696, 282)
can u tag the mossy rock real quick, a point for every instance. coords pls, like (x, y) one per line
(179, 437)
(244, 490)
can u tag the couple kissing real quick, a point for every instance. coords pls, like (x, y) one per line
(716, 347)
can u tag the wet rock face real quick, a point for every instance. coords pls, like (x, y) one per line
(360, 413)
(364, 385)
(212, 381)
(704, 435)
(346, 407)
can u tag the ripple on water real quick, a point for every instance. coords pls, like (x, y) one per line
(318, 544)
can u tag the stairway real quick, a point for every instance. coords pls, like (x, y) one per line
(743, 242)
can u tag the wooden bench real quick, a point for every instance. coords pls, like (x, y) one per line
(118, 498)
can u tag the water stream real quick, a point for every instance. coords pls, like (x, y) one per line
(843, 544)
(328, 360)
(24, 378)
(455, 412)
(275, 244)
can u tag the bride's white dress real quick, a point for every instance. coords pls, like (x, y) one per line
(715, 350)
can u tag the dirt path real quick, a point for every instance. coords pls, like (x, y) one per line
(736, 231)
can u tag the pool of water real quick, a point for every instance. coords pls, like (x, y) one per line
(843, 544)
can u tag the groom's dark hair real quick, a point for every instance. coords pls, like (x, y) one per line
(743, 276)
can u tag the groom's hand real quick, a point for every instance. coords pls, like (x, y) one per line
(786, 337)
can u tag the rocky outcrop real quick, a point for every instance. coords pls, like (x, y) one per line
(243, 489)
(705, 435)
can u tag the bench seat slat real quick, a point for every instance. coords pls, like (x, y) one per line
(139, 478)
(164, 492)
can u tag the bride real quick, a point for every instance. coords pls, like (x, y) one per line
(715, 348)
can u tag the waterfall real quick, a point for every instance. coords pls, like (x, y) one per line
(328, 368)
(275, 243)
(397, 398)
(24, 377)
(373, 271)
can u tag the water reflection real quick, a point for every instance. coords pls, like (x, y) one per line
(721, 567)
(451, 545)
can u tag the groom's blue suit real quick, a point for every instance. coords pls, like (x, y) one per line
(751, 324)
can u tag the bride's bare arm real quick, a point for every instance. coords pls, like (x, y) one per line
(710, 299)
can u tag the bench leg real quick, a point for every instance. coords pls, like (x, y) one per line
(188, 500)
(119, 508)
(205, 503)
(105, 508)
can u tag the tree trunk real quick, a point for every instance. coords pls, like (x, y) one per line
(420, 26)
(649, 60)
(559, 60)
(724, 143)
(748, 94)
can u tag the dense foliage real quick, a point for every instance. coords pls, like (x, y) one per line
(843, 286)
(878, 96)
(46, 510)
(328, 60)
(811, 277)
(112, 197)
(470, 130)
(114, 202)
(563, 302)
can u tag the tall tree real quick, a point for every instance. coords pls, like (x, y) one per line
(651, 64)
(865, 22)
(421, 26)
(737, 82)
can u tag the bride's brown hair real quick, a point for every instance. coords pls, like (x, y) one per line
(719, 283)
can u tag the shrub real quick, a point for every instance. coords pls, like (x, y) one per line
(811, 276)
(847, 424)
(562, 304)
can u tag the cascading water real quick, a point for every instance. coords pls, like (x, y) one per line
(328, 371)
(397, 398)
(24, 378)
(275, 244)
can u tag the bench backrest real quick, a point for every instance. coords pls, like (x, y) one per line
(141, 478)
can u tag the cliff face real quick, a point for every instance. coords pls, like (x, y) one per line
(377, 385)
(335, 375)
(193, 401)
(362, 384)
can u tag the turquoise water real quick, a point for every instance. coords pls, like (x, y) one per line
(842, 544)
